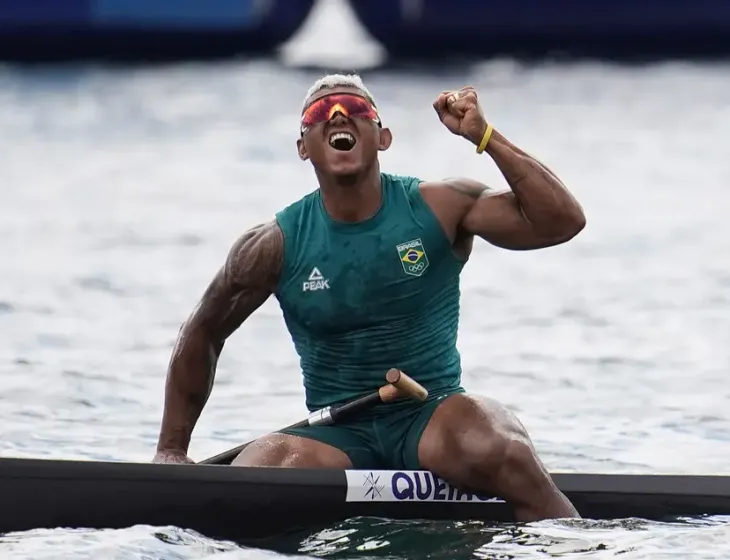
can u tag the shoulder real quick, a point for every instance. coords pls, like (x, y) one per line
(299, 205)
(456, 187)
(451, 200)
(256, 256)
(407, 183)
(403, 186)
(458, 194)
(294, 217)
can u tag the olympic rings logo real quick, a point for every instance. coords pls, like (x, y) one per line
(418, 267)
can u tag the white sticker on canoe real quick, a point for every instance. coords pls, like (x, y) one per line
(405, 486)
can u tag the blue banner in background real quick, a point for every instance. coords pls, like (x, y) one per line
(43, 12)
(426, 28)
(488, 16)
(145, 30)
(187, 14)
(420, 29)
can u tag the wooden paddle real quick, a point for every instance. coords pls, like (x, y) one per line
(398, 385)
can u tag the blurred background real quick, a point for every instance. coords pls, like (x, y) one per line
(139, 138)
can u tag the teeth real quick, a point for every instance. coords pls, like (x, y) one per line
(342, 136)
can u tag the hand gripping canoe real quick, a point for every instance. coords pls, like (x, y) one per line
(398, 385)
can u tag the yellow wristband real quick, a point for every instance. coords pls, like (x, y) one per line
(485, 139)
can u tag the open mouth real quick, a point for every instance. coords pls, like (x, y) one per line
(343, 141)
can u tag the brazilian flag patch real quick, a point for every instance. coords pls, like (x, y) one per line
(413, 257)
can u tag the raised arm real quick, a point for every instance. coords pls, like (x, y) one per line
(241, 286)
(538, 211)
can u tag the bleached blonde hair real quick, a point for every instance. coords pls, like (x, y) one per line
(331, 81)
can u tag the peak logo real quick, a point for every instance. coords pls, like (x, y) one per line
(315, 282)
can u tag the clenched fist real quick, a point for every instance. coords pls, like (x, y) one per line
(461, 113)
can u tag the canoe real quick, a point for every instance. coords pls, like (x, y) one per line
(246, 503)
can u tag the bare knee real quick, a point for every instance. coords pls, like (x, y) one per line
(284, 450)
(496, 457)
(479, 444)
(509, 467)
(484, 435)
(520, 462)
(486, 459)
(272, 450)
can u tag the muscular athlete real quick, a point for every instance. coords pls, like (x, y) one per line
(366, 271)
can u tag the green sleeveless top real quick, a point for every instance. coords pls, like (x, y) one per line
(361, 298)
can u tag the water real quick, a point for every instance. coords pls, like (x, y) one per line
(122, 191)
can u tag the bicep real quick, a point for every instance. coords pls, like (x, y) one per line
(477, 210)
(497, 218)
(470, 207)
(242, 284)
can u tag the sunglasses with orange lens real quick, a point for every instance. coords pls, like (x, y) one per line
(350, 105)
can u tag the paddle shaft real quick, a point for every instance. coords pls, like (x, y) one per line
(399, 385)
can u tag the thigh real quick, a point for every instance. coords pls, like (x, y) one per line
(479, 445)
(468, 437)
(286, 450)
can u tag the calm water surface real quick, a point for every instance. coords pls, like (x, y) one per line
(122, 191)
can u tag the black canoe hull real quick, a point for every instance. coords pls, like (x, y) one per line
(248, 503)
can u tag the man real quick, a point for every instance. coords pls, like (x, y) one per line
(366, 270)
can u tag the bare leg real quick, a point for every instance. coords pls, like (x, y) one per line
(476, 443)
(284, 450)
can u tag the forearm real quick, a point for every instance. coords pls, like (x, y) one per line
(189, 382)
(543, 199)
(240, 287)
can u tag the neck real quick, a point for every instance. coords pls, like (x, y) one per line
(351, 199)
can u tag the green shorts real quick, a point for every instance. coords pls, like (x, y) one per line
(386, 438)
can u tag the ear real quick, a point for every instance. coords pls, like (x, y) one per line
(386, 139)
(303, 155)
